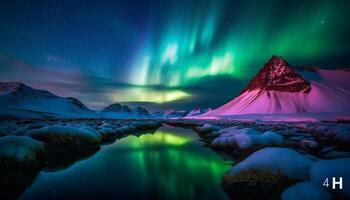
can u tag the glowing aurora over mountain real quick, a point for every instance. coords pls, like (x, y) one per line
(166, 51)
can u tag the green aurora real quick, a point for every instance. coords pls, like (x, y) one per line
(211, 41)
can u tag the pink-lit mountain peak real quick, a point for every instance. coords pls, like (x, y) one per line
(278, 88)
(278, 75)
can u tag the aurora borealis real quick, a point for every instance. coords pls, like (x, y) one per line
(164, 54)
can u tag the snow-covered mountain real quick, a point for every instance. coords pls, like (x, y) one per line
(169, 114)
(139, 110)
(116, 107)
(179, 113)
(197, 111)
(117, 110)
(20, 100)
(280, 88)
(17, 99)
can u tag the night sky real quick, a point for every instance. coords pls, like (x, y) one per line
(164, 54)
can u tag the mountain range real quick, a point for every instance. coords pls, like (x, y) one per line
(277, 88)
(20, 100)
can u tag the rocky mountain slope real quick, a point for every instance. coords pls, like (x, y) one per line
(280, 88)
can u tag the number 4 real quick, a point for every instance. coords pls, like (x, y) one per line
(325, 183)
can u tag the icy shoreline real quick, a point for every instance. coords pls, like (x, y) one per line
(63, 135)
(29, 146)
(277, 157)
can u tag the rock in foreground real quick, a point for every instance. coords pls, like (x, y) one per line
(67, 136)
(19, 150)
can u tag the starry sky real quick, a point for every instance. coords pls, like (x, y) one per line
(164, 54)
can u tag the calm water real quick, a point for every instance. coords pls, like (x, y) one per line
(170, 164)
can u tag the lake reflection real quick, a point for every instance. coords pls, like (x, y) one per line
(169, 164)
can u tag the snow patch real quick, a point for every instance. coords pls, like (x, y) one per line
(207, 128)
(319, 171)
(332, 168)
(62, 134)
(276, 159)
(20, 148)
(246, 138)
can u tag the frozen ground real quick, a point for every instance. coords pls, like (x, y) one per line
(281, 117)
(245, 138)
(289, 156)
(290, 160)
(28, 147)
(19, 148)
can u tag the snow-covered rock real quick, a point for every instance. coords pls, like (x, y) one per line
(246, 138)
(336, 134)
(274, 164)
(207, 128)
(110, 133)
(309, 145)
(64, 135)
(227, 131)
(277, 160)
(319, 172)
(323, 169)
(21, 149)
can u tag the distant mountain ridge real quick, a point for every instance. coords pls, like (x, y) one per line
(180, 113)
(197, 111)
(117, 108)
(170, 114)
(20, 100)
(16, 97)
